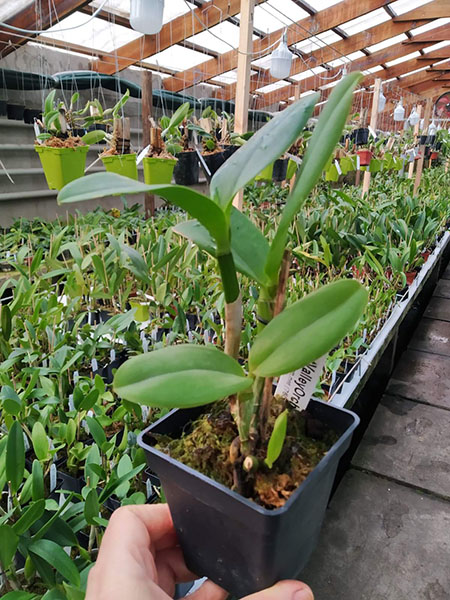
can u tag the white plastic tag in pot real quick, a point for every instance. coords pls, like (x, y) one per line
(140, 157)
(358, 163)
(338, 167)
(298, 387)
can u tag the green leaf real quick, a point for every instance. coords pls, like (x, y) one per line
(12, 404)
(93, 137)
(320, 146)
(277, 438)
(32, 514)
(5, 322)
(97, 431)
(99, 185)
(15, 456)
(180, 376)
(37, 481)
(9, 541)
(308, 329)
(91, 507)
(19, 595)
(49, 101)
(93, 458)
(55, 556)
(40, 441)
(268, 144)
(125, 466)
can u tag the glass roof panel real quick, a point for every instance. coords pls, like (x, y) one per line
(322, 4)
(309, 73)
(346, 59)
(172, 9)
(429, 26)
(96, 33)
(374, 69)
(276, 14)
(273, 86)
(436, 46)
(401, 7)
(229, 76)
(8, 9)
(177, 58)
(78, 54)
(412, 72)
(263, 62)
(365, 22)
(318, 41)
(227, 37)
(386, 43)
(397, 61)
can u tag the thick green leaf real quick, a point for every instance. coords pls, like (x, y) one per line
(5, 321)
(268, 144)
(125, 466)
(19, 595)
(276, 441)
(37, 480)
(40, 441)
(320, 146)
(93, 458)
(11, 401)
(15, 456)
(9, 541)
(97, 431)
(55, 556)
(99, 185)
(93, 137)
(180, 377)
(308, 329)
(91, 507)
(32, 514)
(248, 245)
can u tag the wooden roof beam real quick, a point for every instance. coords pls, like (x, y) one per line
(322, 21)
(173, 32)
(26, 19)
(439, 34)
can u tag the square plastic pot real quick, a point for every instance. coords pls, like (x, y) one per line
(122, 164)
(186, 171)
(240, 545)
(62, 165)
(291, 169)
(365, 156)
(158, 170)
(214, 161)
(280, 169)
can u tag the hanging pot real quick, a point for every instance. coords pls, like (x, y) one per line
(158, 170)
(62, 165)
(15, 111)
(280, 169)
(3, 111)
(365, 156)
(291, 169)
(186, 170)
(266, 174)
(214, 161)
(360, 136)
(238, 544)
(122, 164)
(30, 114)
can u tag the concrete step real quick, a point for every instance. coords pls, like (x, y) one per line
(408, 441)
(432, 336)
(29, 180)
(381, 541)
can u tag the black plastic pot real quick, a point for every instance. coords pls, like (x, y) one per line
(186, 170)
(3, 111)
(280, 169)
(214, 161)
(230, 150)
(240, 545)
(15, 111)
(360, 136)
(30, 114)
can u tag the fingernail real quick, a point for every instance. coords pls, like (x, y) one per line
(300, 595)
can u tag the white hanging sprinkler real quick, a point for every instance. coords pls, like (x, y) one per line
(281, 60)
(146, 16)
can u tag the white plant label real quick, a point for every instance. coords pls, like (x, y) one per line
(145, 413)
(372, 132)
(338, 167)
(26, 443)
(149, 488)
(358, 163)
(52, 477)
(298, 387)
(142, 155)
(71, 403)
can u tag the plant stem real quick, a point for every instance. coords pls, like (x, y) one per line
(233, 304)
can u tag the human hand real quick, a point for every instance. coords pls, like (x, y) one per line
(139, 559)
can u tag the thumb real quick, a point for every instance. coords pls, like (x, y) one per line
(284, 590)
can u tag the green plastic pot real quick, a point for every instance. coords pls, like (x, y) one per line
(266, 174)
(122, 164)
(142, 313)
(62, 165)
(158, 170)
(291, 169)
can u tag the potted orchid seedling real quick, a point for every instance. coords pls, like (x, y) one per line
(247, 476)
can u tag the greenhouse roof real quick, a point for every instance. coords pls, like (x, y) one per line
(405, 41)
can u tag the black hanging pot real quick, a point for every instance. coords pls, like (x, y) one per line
(3, 111)
(214, 161)
(280, 169)
(30, 114)
(240, 545)
(186, 170)
(360, 136)
(15, 111)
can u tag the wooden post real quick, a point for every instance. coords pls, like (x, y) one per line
(426, 122)
(416, 135)
(147, 108)
(243, 77)
(373, 125)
